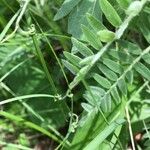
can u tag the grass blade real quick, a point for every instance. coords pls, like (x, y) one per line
(94, 144)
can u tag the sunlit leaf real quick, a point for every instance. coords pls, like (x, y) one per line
(102, 81)
(110, 13)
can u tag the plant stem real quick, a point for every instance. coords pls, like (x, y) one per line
(130, 128)
(40, 55)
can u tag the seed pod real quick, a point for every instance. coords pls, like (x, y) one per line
(106, 35)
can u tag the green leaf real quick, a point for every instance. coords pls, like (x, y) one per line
(14, 52)
(82, 48)
(66, 8)
(143, 70)
(91, 38)
(110, 13)
(97, 92)
(124, 3)
(143, 25)
(113, 141)
(130, 76)
(106, 103)
(77, 17)
(122, 86)
(94, 144)
(74, 50)
(95, 23)
(73, 58)
(102, 81)
(106, 35)
(146, 58)
(113, 65)
(73, 69)
(107, 72)
(121, 56)
(115, 95)
(87, 107)
(3, 33)
(130, 47)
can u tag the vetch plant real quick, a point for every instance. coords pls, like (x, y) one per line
(110, 67)
(85, 90)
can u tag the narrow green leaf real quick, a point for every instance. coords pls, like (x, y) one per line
(94, 144)
(107, 72)
(3, 33)
(87, 107)
(66, 8)
(143, 70)
(43, 62)
(114, 66)
(95, 23)
(147, 10)
(129, 76)
(82, 48)
(11, 70)
(146, 58)
(130, 47)
(73, 69)
(91, 38)
(115, 95)
(124, 3)
(73, 58)
(97, 92)
(121, 56)
(106, 103)
(102, 81)
(143, 25)
(74, 50)
(110, 13)
(106, 35)
(114, 141)
(122, 86)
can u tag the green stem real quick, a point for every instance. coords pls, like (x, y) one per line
(130, 128)
(40, 55)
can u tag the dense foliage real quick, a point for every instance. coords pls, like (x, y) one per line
(75, 74)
